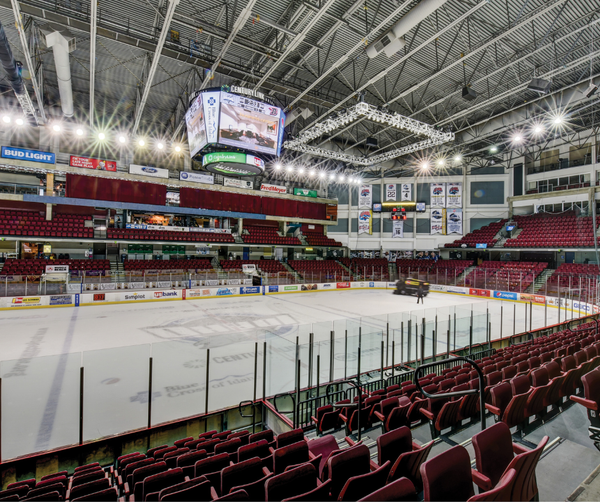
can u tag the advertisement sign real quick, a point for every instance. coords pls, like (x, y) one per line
(481, 246)
(458, 291)
(343, 285)
(273, 289)
(136, 296)
(454, 222)
(290, 288)
(99, 297)
(9, 152)
(264, 187)
(165, 294)
(249, 124)
(86, 163)
(437, 221)
(226, 291)
(28, 301)
(406, 192)
(397, 229)
(454, 195)
(438, 194)
(480, 292)
(250, 290)
(211, 102)
(533, 298)
(57, 269)
(308, 287)
(61, 300)
(365, 219)
(305, 192)
(390, 192)
(506, 295)
(138, 226)
(233, 163)
(233, 182)
(196, 129)
(365, 197)
(197, 178)
(154, 172)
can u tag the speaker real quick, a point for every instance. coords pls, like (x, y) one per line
(468, 93)
(591, 90)
(540, 85)
(371, 142)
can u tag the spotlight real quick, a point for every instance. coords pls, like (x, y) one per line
(19, 121)
(517, 138)
(457, 158)
(351, 180)
(122, 139)
(278, 166)
(101, 136)
(322, 174)
(332, 176)
(79, 131)
(342, 178)
(558, 120)
(301, 170)
(56, 128)
(141, 142)
(493, 149)
(425, 165)
(441, 162)
(289, 168)
(312, 173)
(6, 119)
(160, 146)
(538, 129)
(177, 148)
(357, 181)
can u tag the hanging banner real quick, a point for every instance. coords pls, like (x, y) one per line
(454, 221)
(406, 192)
(397, 229)
(364, 222)
(437, 221)
(454, 195)
(235, 183)
(102, 165)
(438, 194)
(390, 192)
(365, 197)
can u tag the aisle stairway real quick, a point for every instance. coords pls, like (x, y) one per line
(295, 274)
(352, 274)
(540, 280)
(466, 272)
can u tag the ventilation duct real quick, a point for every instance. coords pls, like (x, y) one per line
(392, 41)
(62, 43)
(11, 67)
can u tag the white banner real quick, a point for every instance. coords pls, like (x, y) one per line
(397, 229)
(211, 104)
(272, 188)
(390, 192)
(178, 229)
(454, 223)
(234, 182)
(406, 192)
(154, 172)
(57, 269)
(209, 179)
(438, 194)
(437, 221)
(454, 195)
(364, 222)
(365, 197)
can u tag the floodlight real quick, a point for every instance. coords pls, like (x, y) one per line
(312, 173)
(558, 120)
(56, 127)
(79, 131)
(441, 162)
(101, 136)
(160, 145)
(538, 129)
(517, 138)
(342, 178)
(300, 170)
(122, 139)
(457, 158)
(289, 168)
(6, 119)
(493, 149)
(177, 148)
(141, 142)
(322, 174)
(278, 166)
(19, 121)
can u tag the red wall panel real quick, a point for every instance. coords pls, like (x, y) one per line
(96, 188)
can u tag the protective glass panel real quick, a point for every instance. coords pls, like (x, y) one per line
(40, 404)
(116, 390)
(179, 376)
(280, 365)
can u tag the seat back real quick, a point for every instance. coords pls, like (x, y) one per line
(241, 474)
(409, 465)
(155, 483)
(291, 483)
(447, 476)
(360, 486)
(392, 444)
(341, 467)
(212, 464)
(139, 475)
(267, 434)
(296, 453)
(323, 446)
(108, 495)
(194, 489)
(500, 492)
(493, 451)
(259, 449)
(88, 488)
(290, 437)
(525, 485)
(400, 490)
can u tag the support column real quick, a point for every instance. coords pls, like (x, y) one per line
(240, 225)
(48, 212)
(50, 184)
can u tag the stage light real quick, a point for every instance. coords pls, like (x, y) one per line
(19, 121)
(56, 127)
(141, 142)
(177, 148)
(457, 158)
(79, 131)
(122, 139)
(101, 136)
(277, 166)
(6, 119)
(160, 145)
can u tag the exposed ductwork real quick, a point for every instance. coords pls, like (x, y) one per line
(392, 41)
(62, 43)
(9, 64)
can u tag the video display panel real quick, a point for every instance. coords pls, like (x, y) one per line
(249, 124)
(194, 119)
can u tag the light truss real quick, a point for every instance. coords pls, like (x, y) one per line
(434, 136)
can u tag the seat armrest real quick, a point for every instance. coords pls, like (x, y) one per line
(68, 495)
(344, 418)
(493, 409)
(126, 490)
(351, 441)
(416, 446)
(379, 415)
(315, 421)
(590, 405)
(266, 471)
(518, 449)
(481, 480)
(213, 493)
(427, 413)
(374, 465)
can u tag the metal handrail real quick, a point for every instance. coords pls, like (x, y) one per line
(293, 403)
(357, 386)
(461, 393)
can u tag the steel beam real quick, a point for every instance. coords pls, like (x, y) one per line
(93, 26)
(161, 42)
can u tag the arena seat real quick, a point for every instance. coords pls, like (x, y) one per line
(315, 236)
(267, 235)
(249, 475)
(34, 224)
(319, 270)
(211, 468)
(447, 476)
(591, 401)
(501, 492)
(173, 264)
(483, 235)
(169, 235)
(108, 495)
(291, 483)
(195, 489)
(361, 485)
(14, 266)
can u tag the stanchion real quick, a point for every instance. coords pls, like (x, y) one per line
(207, 387)
(81, 393)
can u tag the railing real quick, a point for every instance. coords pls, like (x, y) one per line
(561, 164)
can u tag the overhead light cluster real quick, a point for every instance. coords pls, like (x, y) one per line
(100, 136)
(311, 173)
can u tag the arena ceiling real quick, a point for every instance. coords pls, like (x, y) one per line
(311, 55)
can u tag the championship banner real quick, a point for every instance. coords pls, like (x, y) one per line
(438, 194)
(397, 229)
(406, 192)
(390, 192)
(454, 221)
(365, 219)
(437, 221)
(365, 197)
(454, 195)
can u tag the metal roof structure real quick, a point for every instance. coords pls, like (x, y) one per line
(149, 56)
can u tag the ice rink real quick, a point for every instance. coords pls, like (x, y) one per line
(187, 343)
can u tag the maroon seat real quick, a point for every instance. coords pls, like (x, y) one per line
(327, 418)
(288, 438)
(400, 490)
(211, 467)
(230, 447)
(127, 474)
(348, 463)
(323, 447)
(363, 484)
(193, 490)
(135, 490)
(108, 495)
(591, 401)
(297, 481)
(501, 492)
(187, 462)
(266, 434)
(510, 409)
(88, 488)
(154, 484)
(447, 476)
(249, 475)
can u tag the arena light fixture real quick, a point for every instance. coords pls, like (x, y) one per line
(278, 166)
(300, 170)
(160, 145)
(441, 163)
(517, 138)
(558, 120)
(177, 148)
(332, 176)
(141, 142)
(458, 158)
(342, 178)
(79, 131)
(360, 111)
(322, 174)
(538, 129)
(289, 168)
(6, 119)
(493, 149)
(122, 139)
(312, 173)
(101, 136)
(56, 128)
(425, 165)
(20, 121)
